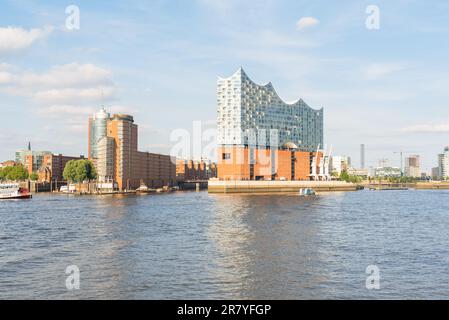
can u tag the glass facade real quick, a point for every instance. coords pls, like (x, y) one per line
(98, 130)
(246, 109)
(37, 158)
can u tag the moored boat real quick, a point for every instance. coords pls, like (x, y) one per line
(13, 191)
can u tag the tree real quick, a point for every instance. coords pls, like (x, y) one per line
(344, 176)
(15, 173)
(34, 176)
(69, 173)
(79, 171)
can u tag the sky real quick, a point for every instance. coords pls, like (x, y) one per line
(386, 87)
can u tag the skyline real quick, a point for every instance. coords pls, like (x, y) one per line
(385, 87)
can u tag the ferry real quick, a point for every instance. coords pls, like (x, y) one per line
(13, 191)
(307, 192)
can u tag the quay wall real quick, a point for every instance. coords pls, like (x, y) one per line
(432, 185)
(238, 186)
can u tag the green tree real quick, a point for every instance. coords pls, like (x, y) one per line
(34, 176)
(15, 173)
(69, 173)
(79, 171)
(344, 176)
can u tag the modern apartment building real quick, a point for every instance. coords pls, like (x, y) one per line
(260, 137)
(443, 164)
(113, 147)
(413, 166)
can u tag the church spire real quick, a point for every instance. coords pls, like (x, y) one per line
(29, 146)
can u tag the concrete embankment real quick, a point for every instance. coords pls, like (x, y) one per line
(216, 186)
(432, 185)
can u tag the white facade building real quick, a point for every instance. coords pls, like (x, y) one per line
(250, 114)
(105, 159)
(387, 172)
(339, 164)
(443, 164)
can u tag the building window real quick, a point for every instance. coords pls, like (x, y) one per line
(226, 156)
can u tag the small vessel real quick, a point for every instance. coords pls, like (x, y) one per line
(307, 192)
(142, 188)
(68, 189)
(13, 191)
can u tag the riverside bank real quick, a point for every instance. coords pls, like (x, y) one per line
(236, 186)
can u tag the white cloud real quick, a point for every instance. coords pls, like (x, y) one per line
(68, 75)
(5, 77)
(56, 111)
(65, 84)
(379, 70)
(72, 95)
(15, 38)
(427, 128)
(306, 22)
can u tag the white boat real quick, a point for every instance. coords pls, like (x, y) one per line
(13, 191)
(307, 192)
(142, 188)
(68, 189)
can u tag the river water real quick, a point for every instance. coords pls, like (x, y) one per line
(195, 245)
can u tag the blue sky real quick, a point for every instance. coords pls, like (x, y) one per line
(159, 60)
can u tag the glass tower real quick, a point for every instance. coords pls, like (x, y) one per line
(248, 112)
(98, 125)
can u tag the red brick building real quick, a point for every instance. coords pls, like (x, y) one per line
(53, 167)
(243, 163)
(189, 170)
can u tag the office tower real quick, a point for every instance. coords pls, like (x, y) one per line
(413, 166)
(113, 147)
(443, 164)
(97, 130)
(362, 156)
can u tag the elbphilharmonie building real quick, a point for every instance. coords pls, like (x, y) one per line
(261, 137)
(246, 108)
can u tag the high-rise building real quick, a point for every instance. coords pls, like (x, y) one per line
(97, 130)
(105, 159)
(435, 174)
(246, 108)
(413, 166)
(113, 142)
(443, 164)
(262, 137)
(362, 156)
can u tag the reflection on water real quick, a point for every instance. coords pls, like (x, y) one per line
(200, 245)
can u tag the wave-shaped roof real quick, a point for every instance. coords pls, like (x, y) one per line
(269, 86)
